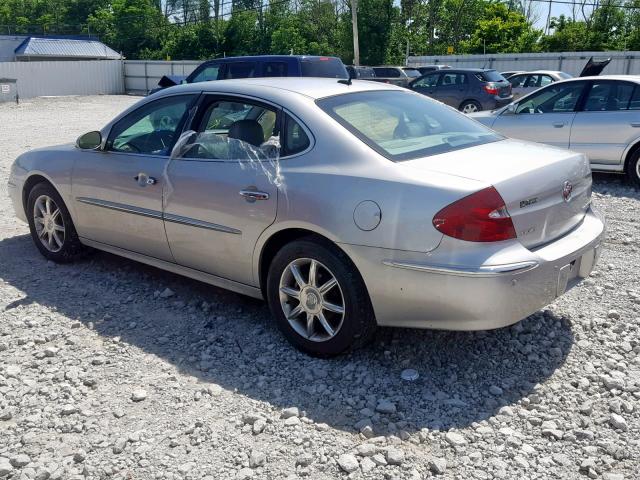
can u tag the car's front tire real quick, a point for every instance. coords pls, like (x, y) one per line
(51, 227)
(318, 299)
(633, 168)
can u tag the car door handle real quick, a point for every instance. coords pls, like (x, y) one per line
(253, 195)
(635, 124)
(143, 179)
(559, 124)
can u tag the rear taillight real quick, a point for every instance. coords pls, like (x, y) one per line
(479, 217)
(491, 89)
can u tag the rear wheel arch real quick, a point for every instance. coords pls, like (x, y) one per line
(633, 156)
(281, 238)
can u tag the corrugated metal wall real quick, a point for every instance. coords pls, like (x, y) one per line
(626, 63)
(140, 76)
(35, 79)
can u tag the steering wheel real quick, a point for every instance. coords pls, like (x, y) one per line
(165, 123)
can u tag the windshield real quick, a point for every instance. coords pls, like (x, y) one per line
(403, 125)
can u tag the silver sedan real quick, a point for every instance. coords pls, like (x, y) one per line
(597, 116)
(345, 206)
(524, 83)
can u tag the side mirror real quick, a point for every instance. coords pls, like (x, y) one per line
(89, 141)
(511, 108)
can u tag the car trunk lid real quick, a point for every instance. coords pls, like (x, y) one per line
(547, 191)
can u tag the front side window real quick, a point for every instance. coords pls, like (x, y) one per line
(404, 125)
(212, 72)
(634, 103)
(556, 98)
(151, 129)
(608, 97)
(234, 130)
(427, 81)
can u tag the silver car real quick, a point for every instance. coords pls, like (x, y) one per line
(527, 82)
(345, 205)
(598, 116)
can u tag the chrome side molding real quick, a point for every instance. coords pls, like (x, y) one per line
(480, 271)
(170, 217)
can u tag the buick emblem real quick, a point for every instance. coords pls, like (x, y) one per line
(567, 188)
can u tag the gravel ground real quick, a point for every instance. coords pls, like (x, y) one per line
(102, 376)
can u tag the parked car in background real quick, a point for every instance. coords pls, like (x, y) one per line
(424, 69)
(260, 66)
(400, 76)
(360, 72)
(507, 74)
(468, 90)
(598, 116)
(525, 83)
(385, 208)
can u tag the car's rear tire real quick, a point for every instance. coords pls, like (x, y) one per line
(323, 313)
(51, 227)
(470, 106)
(633, 168)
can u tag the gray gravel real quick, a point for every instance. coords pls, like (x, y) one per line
(111, 369)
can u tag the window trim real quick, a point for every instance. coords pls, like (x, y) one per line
(180, 128)
(203, 103)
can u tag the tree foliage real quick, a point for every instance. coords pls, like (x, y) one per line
(387, 29)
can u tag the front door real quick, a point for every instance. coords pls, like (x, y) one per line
(224, 187)
(426, 85)
(452, 88)
(118, 191)
(545, 116)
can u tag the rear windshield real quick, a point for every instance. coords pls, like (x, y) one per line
(412, 72)
(404, 125)
(492, 76)
(324, 67)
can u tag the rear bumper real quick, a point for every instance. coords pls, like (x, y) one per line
(440, 290)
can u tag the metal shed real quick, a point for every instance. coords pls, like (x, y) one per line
(53, 48)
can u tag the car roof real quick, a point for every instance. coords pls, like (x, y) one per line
(470, 70)
(629, 78)
(552, 72)
(267, 57)
(311, 87)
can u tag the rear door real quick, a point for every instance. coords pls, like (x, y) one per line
(224, 187)
(607, 122)
(545, 116)
(240, 70)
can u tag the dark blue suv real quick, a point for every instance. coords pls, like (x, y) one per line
(261, 66)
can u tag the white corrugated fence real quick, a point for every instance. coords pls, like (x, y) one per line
(140, 76)
(622, 63)
(91, 77)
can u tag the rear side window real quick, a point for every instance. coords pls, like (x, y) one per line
(275, 69)
(240, 70)
(426, 81)
(491, 76)
(295, 138)
(365, 72)
(211, 72)
(608, 97)
(453, 79)
(386, 72)
(327, 67)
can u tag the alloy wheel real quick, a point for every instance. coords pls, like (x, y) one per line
(470, 108)
(49, 223)
(311, 299)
